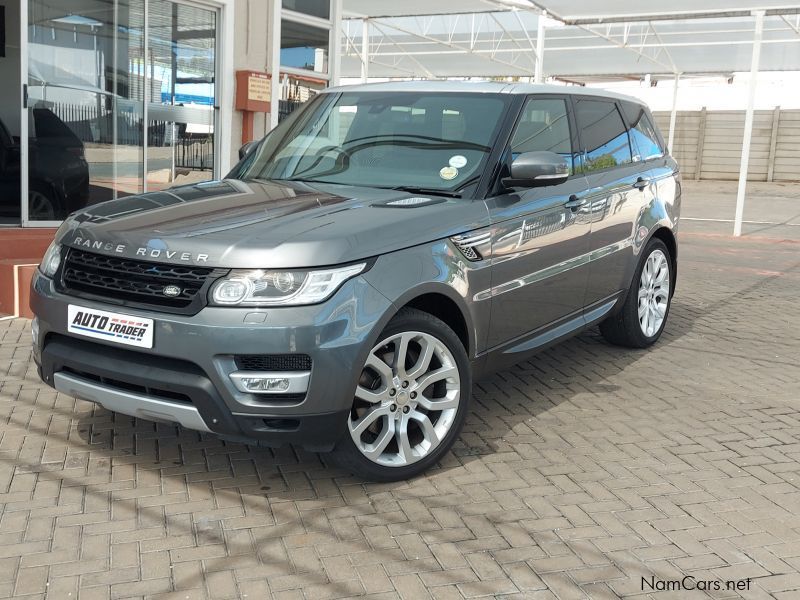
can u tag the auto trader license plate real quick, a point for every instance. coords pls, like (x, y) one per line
(114, 327)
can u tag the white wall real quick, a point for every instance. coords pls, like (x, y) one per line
(9, 69)
(772, 89)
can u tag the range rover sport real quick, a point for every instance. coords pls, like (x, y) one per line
(361, 265)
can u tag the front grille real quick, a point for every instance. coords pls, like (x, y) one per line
(273, 362)
(134, 282)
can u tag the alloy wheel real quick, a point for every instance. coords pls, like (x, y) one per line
(653, 293)
(40, 207)
(406, 400)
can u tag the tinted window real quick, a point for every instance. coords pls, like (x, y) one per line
(644, 138)
(543, 126)
(603, 134)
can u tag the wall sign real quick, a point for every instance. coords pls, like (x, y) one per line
(253, 91)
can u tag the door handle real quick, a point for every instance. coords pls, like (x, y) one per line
(641, 183)
(574, 203)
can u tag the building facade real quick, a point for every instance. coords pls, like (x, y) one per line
(107, 98)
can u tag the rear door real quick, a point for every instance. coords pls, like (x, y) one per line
(619, 189)
(539, 234)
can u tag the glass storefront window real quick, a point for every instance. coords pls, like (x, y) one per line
(315, 8)
(92, 80)
(304, 46)
(84, 121)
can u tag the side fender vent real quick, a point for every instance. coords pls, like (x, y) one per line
(474, 246)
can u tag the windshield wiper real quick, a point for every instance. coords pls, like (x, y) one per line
(427, 191)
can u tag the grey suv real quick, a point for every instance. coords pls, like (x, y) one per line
(365, 262)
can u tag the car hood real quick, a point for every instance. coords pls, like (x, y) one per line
(254, 224)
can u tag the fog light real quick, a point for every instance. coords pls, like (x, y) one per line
(271, 382)
(35, 331)
(265, 384)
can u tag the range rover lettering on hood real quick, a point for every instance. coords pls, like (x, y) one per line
(143, 252)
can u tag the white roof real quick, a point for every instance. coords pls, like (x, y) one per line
(571, 10)
(499, 37)
(480, 87)
(593, 11)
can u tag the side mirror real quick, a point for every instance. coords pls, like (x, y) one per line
(542, 167)
(247, 148)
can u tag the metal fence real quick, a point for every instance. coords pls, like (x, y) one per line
(95, 124)
(287, 107)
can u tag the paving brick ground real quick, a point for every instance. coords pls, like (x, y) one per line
(579, 473)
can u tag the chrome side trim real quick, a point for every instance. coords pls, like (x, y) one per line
(128, 403)
(298, 381)
(556, 269)
(470, 245)
(471, 240)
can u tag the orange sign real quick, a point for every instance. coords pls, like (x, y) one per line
(253, 91)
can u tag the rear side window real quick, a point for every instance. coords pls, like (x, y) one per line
(603, 134)
(644, 139)
(543, 126)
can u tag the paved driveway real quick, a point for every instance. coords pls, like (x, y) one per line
(589, 471)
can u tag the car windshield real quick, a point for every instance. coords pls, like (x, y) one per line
(433, 141)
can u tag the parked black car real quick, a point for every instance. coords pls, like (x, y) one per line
(58, 174)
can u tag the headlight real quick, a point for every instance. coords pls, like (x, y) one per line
(51, 260)
(276, 288)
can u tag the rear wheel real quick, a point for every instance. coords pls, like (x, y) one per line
(642, 318)
(410, 402)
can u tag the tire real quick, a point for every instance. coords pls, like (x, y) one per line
(41, 204)
(653, 280)
(396, 432)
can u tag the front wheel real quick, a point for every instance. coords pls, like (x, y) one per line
(410, 402)
(41, 204)
(642, 318)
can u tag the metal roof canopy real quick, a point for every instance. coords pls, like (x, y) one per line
(503, 43)
(615, 37)
(574, 12)
(585, 12)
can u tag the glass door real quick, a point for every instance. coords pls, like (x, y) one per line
(120, 100)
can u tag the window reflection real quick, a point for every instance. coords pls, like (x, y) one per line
(603, 133)
(304, 46)
(84, 122)
(645, 139)
(90, 84)
(315, 8)
(543, 126)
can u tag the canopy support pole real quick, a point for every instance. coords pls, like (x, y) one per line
(748, 122)
(274, 63)
(364, 50)
(335, 58)
(539, 73)
(673, 116)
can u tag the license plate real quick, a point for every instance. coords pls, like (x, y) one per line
(110, 326)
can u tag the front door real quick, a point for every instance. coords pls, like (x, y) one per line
(540, 235)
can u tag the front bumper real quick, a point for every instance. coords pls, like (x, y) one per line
(185, 377)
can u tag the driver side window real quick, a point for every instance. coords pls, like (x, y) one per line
(544, 125)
